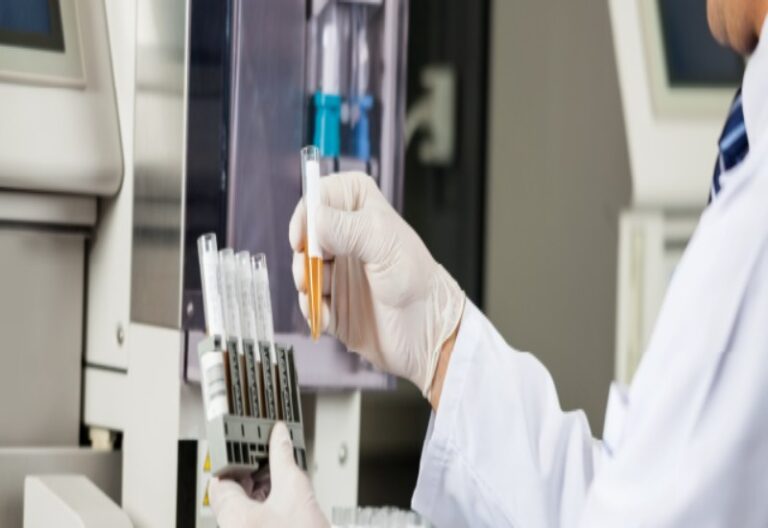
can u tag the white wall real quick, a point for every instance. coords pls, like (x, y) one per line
(558, 176)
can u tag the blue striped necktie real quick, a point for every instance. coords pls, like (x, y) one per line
(733, 144)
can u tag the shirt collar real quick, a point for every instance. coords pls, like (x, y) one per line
(755, 88)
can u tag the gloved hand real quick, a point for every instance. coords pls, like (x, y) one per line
(291, 501)
(385, 296)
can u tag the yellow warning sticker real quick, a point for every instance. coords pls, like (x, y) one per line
(206, 501)
(207, 463)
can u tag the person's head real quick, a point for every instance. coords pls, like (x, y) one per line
(737, 23)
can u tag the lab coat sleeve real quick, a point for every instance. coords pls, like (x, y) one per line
(695, 446)
(500, 451)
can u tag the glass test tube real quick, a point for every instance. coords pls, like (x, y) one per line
(246, 296)
(266, 332)
(235, 356)
(209, 280)
(229, 293)
(313, 263)
(213, 369)
(252, 368)
(264, 323)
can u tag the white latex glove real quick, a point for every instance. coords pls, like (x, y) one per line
(385, 296)
(291, 501)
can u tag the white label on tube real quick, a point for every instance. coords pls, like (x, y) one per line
(312, 198)
(214, 384)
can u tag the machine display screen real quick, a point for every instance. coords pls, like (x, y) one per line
(31, 24)
(693, 57)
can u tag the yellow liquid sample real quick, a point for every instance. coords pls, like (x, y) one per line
(313, 269)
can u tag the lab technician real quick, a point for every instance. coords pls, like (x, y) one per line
(685, 445)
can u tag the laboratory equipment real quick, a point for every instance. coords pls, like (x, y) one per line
(238, 442)
(360, 99)
(208, 252)
(60, 149)
(327, 98)
(239, 445)
(253, 365)
(352, 87)
(247, 116)
(263, 312)
(56, 78)
(313, 255)
(69, 501)
(265, 331)
(246, 296)
(214, 368)
(214, 115)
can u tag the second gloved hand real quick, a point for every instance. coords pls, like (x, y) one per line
(385, 297)
(291, 501)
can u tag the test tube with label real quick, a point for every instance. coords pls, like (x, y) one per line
(247, 300)
(266, 332)
(228, 272)
(313, 263)
(213, 372)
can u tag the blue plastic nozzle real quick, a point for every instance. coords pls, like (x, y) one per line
(327, 123)
(362, 128)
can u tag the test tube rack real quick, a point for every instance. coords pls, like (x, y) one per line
(239, 445)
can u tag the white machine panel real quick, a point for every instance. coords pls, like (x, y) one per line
(41, 321)
(69, 501)
(59, 128)
(103, 468)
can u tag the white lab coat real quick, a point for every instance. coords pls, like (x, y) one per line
(685, 446)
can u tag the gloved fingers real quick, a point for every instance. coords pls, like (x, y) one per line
(345, 233)
(325, 316)
(299, 270)
(297, 231)
(297, 228)
(257, 484)
(231, 504)
(281, 461)
(346, 191)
